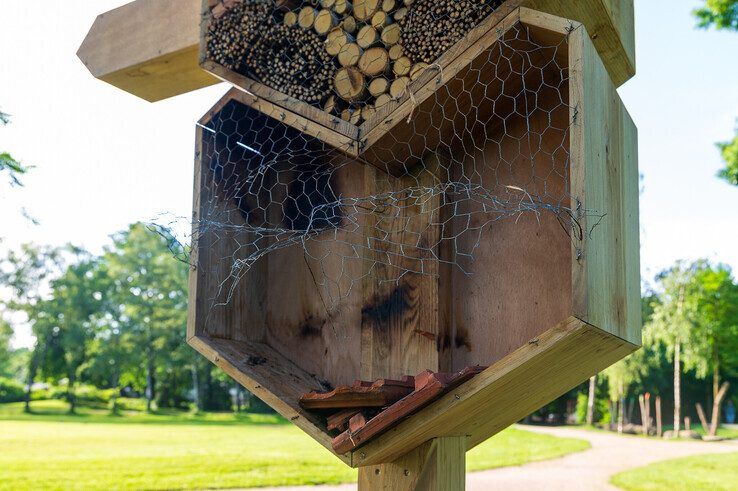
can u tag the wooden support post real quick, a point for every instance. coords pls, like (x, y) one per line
(437, 465)
(388, 347)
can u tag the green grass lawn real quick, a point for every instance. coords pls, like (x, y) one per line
(170, 450)
(702, 472)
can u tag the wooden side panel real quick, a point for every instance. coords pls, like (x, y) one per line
(315, 296)
(270, 376)
(519, 280)
(148, 48)
(605, 192)
(611, 26)
(536, 373)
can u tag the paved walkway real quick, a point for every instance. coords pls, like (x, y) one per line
(589, 470)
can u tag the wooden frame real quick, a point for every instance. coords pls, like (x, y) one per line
(149, 48)
(594, 317)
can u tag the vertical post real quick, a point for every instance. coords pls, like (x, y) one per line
(437, 465)
(659, 431)
(405, 336)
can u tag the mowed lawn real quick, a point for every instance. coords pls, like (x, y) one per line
(702, 472)
(183, 451)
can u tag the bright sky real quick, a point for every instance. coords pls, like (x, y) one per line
(105, 159)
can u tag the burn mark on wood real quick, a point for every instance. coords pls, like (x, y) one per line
(312, 327)
(461, 340)
(382, 309)
(443, 342)
(255, 361)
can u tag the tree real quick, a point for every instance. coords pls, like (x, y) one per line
(714, 339)
(672, 321)
(591, 400)
(7, 163)
(27, 274)
(722, 14)
(75, 301)
(6, 332)
(150, 291)
(729, 151)
(696, 319)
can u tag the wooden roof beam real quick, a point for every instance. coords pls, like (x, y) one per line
(148, 48)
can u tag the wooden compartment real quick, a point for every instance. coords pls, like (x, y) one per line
(548, 297)
(150, 48)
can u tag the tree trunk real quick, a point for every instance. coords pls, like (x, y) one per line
(629, 414)
(196, 387)
(716, 403)
(715, 386)
(591, 400)
(71, 397)
(207, 399)
(115, 384)
(621, 411)
(150, 382)
(703, 419)
(677, 386)
(644, 416)
(239, 398)
(32, 369)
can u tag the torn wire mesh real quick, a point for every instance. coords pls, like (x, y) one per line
(490, 145)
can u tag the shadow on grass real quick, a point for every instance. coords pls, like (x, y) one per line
(58, 412)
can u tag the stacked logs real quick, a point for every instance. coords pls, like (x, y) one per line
(230, 37)
(349, 57)
(431, 27)
(293, 61)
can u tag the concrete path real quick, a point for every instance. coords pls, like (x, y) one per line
(589, 470)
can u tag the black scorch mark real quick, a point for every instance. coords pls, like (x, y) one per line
(382, 309)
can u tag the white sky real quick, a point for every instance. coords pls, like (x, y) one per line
(105, 159)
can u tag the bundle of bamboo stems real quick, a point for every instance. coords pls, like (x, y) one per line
(353, 58)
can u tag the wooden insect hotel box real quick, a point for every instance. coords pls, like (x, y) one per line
(415, 222)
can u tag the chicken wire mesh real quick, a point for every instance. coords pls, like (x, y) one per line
(490, 144)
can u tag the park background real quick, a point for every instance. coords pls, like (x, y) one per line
(94, 299)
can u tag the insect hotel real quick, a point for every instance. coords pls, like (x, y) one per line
(415, 221)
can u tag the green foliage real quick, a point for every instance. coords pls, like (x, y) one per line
(601, 409)
(713, 341)
(11, 390)
(7, 163)
(110, 321)
(6, 332)
(729, 151)
(721, 14)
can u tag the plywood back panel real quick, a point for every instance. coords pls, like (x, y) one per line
(519, 281)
